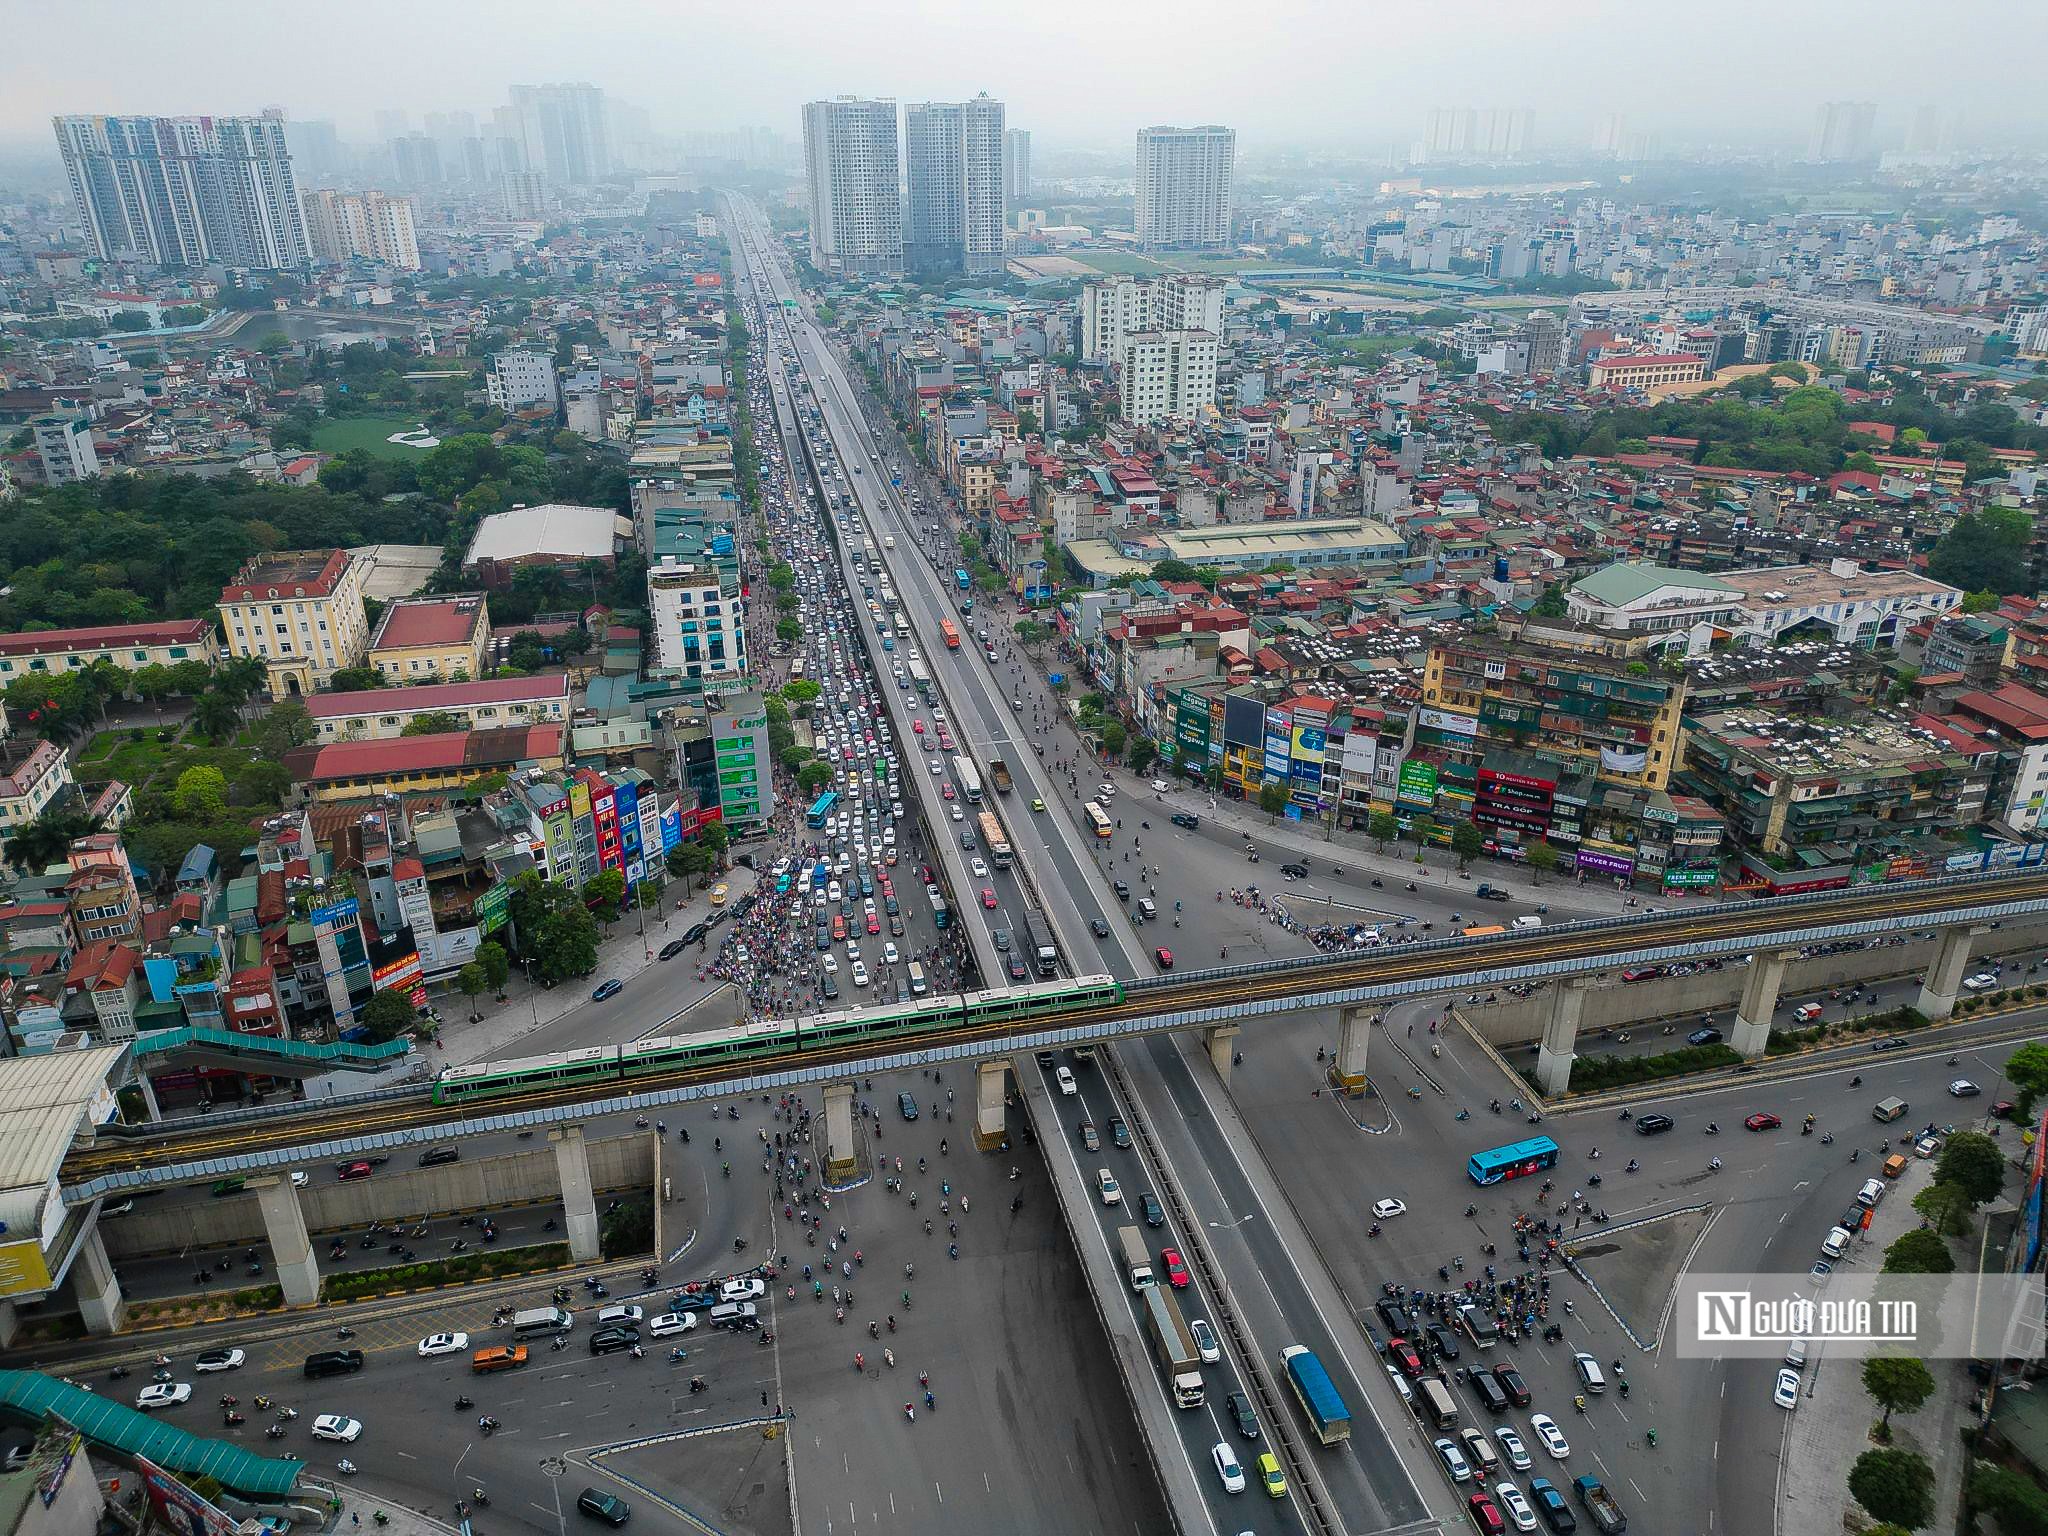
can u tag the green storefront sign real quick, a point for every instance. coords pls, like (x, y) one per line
(494, 908)
(1418, 783)
(1675, 879)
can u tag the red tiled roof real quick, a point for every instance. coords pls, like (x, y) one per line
(435, 621)
(108, 637)
(494, 690)
(442, 750)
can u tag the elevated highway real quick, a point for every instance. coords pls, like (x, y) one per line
(125, 1159)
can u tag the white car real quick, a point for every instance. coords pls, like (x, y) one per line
(1455, 1466)
(958, 814)
(220, 1360)
(1511, 1447)
(1983, 981)
(1227, 1467)
(1836, 1243)
(1105, 1185)
(1514, 1506)
(890, 956)
(443, 1344)
(1786, 1393)
(669, 1323)
(978, 869)
(1963, 1088)
(165, 1394)
(335, 1426)
(1206, 1344)
(1387, 1210)
(834, 891)
(1544, 1427)
(742, 1289)
(1064, 1076)
(300, 1178)
(1160, 786)
(860, 973)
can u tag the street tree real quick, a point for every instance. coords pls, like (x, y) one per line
(1141, 754)
(497, 965)
(387, 1015)
(2027, 1070)
(566, 944)
(1467, 841)
(1894, 1485)
(471, 982)
(1899, 1383)
(1947, 1208)
(1973, 1163)
(1272, 799)
(603, 892)
(1918, 1252)
(812, 777)
(716, 840)
(1542, 860)
(1382, 829)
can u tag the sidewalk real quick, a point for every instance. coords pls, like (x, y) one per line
(528, 1007)
(1831, 1427)
(356, 1510)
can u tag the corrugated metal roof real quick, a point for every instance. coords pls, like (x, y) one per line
(44, 1101)
(31, 1395)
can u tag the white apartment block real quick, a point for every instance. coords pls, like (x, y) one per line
(699, 628)
(521, 380)
(1112, 309)
(1166, 375)
(64, 444)
(342, 225)
(850, 162)
(33, 772)
(954, 159)
(1183, 177)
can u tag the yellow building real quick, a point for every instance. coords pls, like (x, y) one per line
(301, 612)
(432, 639)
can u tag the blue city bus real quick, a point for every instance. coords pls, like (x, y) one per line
(821, 808)
(961, 578)
(940, 915)
(1536, 1155)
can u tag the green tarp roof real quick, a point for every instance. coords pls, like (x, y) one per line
(130, 1432)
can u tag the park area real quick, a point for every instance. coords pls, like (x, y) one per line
(372, 434)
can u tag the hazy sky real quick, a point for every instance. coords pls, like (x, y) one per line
(1077, 72)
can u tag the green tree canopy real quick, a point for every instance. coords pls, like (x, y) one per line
(1382, 828)
(2027, 1070)
(432, 722)
(604, 892)
(387, 1015)
(1894, 1485)
(1918, 1252)
(1947, 1208)
(1972, 1162)
(1272, 799)
(1466, 842)
(1899, 1383)
(202, 793)
(1986, 551)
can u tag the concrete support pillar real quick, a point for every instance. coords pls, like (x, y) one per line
(1347, 1073)
(10, 1323)
(842, 1156)
(149, 1102)
(1944, 977)
(93, 1283)
(1759, 1002)
(1560, 1038)
(579, 1201)
(1222, 1042)
(991, 1124)
(291, 1249)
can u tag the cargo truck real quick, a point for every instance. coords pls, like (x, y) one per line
(1137, 1257)
(999, 775)
(1045, 956)
(994, 839)
(1599, 1503)
(1176, 1346)
(1317, 1394)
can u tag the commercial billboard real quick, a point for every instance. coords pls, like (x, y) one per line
(1278, 742)
(1361, 755)
(671, 826)
(1447, 723)
(1418, 784)
(1244, 721)
(493, 909)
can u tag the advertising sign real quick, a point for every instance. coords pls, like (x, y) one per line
(334, 916)
(671, 827)
(396, 975)
(1308, 743)
(1244, 721)
(1279, 738)
(1418, 783)
(178, 1508)
(22, 1270)
(1596, 862)
(1677, 878)
(494, 908)
(1448, 723)
(1361, 754)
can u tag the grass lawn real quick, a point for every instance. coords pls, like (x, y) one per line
(1119, 263)
(339, 435)
(117, 755)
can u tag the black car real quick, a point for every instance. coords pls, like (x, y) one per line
(1045, 1059)
(1119, 1132)
(1155, 1213)
(609, 1340)
(1186, 819)
(1240, 1408)
(1294, 871)
(1391, 1315)
(906, 1106)
(828, 986)
(673, 948)
(1446, 1342)
(1706, 1036)
(1016, 967)
(603, 1506)
(1372, 1337)
(1511, 1383)
(694, 934)
(1123, 891)
(1000, 937)
(1098, 927)
(1653, 1125)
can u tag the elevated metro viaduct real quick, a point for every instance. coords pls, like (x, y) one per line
(259, 1143)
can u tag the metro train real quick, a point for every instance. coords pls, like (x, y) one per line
(772, 1038)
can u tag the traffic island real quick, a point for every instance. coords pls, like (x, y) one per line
(734, 1477)
(1633, 1269)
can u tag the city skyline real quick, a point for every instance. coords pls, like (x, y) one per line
(1371, 80)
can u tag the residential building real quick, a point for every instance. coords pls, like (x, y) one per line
(1016, 167)
(432, 639)
(382, 714)
(850, 162)
(1761, 604)
(371, 225)
(64, 444)
(553, 533)
(698, 619)
(301, 611)
(1119, 306)
(2017, 717)
(1841, 131)
(186, 191)
(1183, 181)
(158, 643)
(1166, 376)
(522, 381)
(33, 772)
(953, 154)
(357, 770)
(561, 132)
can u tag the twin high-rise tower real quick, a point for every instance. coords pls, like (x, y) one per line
(863, 225)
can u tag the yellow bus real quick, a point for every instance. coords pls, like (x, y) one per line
(1097, 820)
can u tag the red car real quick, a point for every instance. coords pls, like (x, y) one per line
(1176, 1269)
(888, 887)
(1486, 1516)
(917, 726)
(838, 926)
(874, 923)
(1164, 957)
(988, 897)
(1762, 1121)
(945, 791)
(1406, 1358)
(361, 1170)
